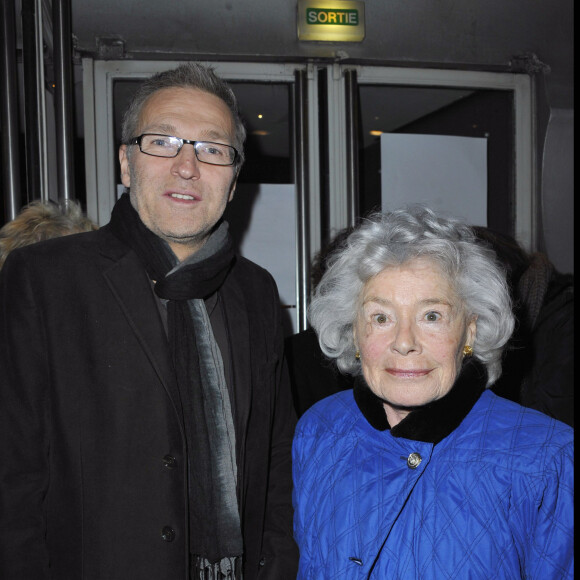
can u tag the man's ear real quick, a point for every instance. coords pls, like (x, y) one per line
(233, 187)
(124, 162)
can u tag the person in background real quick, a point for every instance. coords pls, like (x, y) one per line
(538, 365)
(146, 416)
(312, 375)
(421, 471)
(43, 220)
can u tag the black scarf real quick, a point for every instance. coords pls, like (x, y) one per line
(434, 421)
(215, 534)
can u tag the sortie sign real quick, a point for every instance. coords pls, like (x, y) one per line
(332, 21)
(326, 16)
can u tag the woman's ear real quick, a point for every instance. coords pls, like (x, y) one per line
(471, 331)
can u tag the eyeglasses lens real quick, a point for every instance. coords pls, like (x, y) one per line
(206, 151)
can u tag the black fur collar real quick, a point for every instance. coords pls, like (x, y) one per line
(434, 421)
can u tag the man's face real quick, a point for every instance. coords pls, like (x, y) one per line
(180, 199)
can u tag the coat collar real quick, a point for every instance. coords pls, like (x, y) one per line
(434, 421)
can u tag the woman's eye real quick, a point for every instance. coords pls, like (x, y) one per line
(432, 316)
(380, 318)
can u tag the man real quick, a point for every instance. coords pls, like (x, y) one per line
(145, 416)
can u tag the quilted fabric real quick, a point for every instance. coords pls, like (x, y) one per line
(492, 500)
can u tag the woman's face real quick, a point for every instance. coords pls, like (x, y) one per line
(410, 331)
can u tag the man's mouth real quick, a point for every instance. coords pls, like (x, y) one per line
(183, 196)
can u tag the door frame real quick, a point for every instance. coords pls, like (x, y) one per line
(525, 182)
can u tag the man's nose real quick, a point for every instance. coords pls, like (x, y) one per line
(186, 164)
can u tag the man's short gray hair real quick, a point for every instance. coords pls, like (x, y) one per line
(189, 75)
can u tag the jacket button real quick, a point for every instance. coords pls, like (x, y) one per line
(169, 461)
(262, 562)
(414, 460)
(168, 534)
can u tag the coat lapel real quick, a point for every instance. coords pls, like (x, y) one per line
(131, 287)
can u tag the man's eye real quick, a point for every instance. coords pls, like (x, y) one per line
(380, 318)
(160, 142)
(213, 151)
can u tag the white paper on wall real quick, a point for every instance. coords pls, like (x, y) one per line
(262, 219)
(446, 173)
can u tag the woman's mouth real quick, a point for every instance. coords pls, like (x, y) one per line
(407, 373)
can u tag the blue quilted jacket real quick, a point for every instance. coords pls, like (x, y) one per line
(472, 487)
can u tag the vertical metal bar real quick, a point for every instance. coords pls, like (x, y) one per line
(336, 137)
(9, 92)
(301, 179)
(43, 20)
(64, 96)
(31, 116)
(352, 126)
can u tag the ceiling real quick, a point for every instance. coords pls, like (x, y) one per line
(467, 34)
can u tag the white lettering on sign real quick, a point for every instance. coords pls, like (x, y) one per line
(335, 17)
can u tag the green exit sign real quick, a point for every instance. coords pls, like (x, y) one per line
(328, 17)
(325, 20)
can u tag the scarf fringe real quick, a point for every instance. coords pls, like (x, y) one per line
(229, 568)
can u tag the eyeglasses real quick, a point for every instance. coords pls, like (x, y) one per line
(168, 146)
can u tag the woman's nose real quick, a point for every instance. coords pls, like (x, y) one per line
(405, 340)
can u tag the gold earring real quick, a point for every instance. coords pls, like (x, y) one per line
(467, 350)
(357, 355)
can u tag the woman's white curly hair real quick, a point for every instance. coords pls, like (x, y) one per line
(393, 239)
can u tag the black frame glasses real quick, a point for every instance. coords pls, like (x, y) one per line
(169, 146)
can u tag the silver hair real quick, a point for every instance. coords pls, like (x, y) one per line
(396, 238)
(189, 75)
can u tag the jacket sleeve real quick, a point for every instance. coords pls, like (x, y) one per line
(550, 528)
(279, 553)
(278, 536)
(24, 420)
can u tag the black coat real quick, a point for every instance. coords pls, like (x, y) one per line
(538, 363)
(92, 464)
(313, 376)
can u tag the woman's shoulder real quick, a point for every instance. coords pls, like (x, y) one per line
(507, 429)
(334, 413)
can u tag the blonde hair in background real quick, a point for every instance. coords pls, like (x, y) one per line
(39, 221)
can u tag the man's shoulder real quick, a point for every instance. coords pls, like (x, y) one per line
(251, 287)
(245, 267)
(251, 276)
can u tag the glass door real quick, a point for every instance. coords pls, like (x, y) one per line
(458, 141)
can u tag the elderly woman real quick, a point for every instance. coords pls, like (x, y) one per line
(421, 471)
